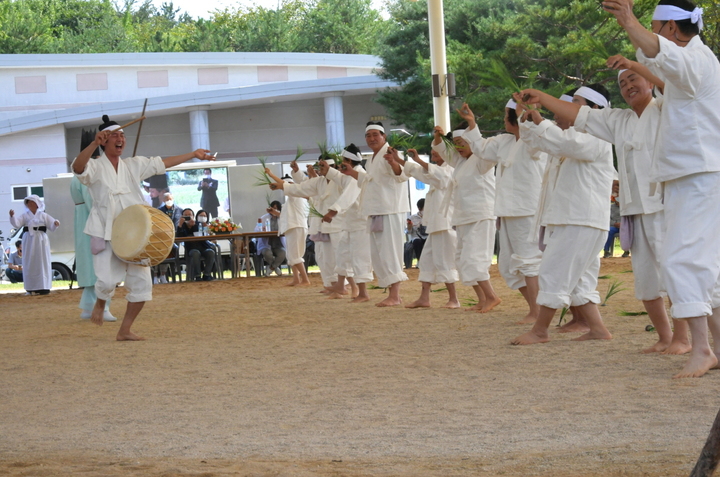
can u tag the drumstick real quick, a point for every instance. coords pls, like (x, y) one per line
(132, 122)
(137, 138)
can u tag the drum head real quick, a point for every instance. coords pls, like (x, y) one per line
(131, 232)
(142, 234)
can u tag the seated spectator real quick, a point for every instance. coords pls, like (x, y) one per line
(14, 269)
(272, 249)
(196, 251)
(416, 235)
(170, 209)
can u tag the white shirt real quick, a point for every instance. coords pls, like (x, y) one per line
(323, 193)
(690, 121)
(472, 188)
(634, 138)
(518, 175)
(438, 178)
(581, 182)
(113, 191)
(382, 192)
(350, 216)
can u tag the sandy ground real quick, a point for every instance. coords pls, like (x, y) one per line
(247, 377)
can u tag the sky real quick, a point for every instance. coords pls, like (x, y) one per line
(201, 8)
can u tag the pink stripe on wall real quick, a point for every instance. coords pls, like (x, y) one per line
(92, 82)
(212, 76)
(30, 84)
(325, 72)
(152, 79)
(269, 74)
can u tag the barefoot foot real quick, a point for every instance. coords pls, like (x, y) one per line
(531, 337)
(419, 303)
(476, 308)
(490, 304)
(594, 335)
(334, 296)
(574, 327)
(452, 304)
(360, 299)
(678, 347)
(389, 302)
(658, 347)
(129, 336)
(528, 320)
(97, 316)
(697, 365)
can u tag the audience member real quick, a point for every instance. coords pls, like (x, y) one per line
(14, 269)
(198, 254)
(272, 249)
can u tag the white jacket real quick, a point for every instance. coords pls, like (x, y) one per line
(580, 177)
(349, 217)
(295, 209)
(323, 193)
(634, 138)
(690, 119)
(113, 191)
(439, 179)
(472, 188)
(518, 175)
(382, 192)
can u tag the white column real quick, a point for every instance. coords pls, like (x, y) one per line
(334, 121)
(199, 128)
(438, 63)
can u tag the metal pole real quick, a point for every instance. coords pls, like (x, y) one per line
(436, 23)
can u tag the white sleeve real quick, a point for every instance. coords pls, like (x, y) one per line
(549, 138)
(680, 66)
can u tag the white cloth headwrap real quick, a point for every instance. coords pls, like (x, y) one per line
(592, 95)
(620, 72)
(112, 127)
(566, 97)
(458, 133)
(36, 199)
(671, 12)
(377, 127)
(511, 104)
(351, 156)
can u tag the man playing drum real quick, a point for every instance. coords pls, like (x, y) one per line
(114, 184)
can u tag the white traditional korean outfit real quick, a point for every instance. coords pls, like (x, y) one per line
(575, 212)
(384, 194)
(437, 262)
(37, 267)
(112, 192)
(354, 249)
(635, 138)
(687, 160)
(293, 224)
(472, 192)
(517, 191)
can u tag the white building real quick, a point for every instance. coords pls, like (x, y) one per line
(242, 105)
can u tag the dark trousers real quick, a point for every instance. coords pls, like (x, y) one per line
(13, 275)
(193, 262)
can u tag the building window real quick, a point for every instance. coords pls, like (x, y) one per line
(20, 192)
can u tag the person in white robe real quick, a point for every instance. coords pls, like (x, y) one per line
(384, 201)
(293, 224)
(471, 192)
(437, 261)
(321, 192)
(575, 216)
(634, 133)
(354, 249)
(114, 184)
(686, 160)
(36, 264)
(518, 178)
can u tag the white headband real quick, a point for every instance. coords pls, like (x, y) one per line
(458, 133)
(351, 156)
(112, 127)
(671, 12)
(377, 127)
(592, 95)
(566, 97)
(511, 104)
(620, 72)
